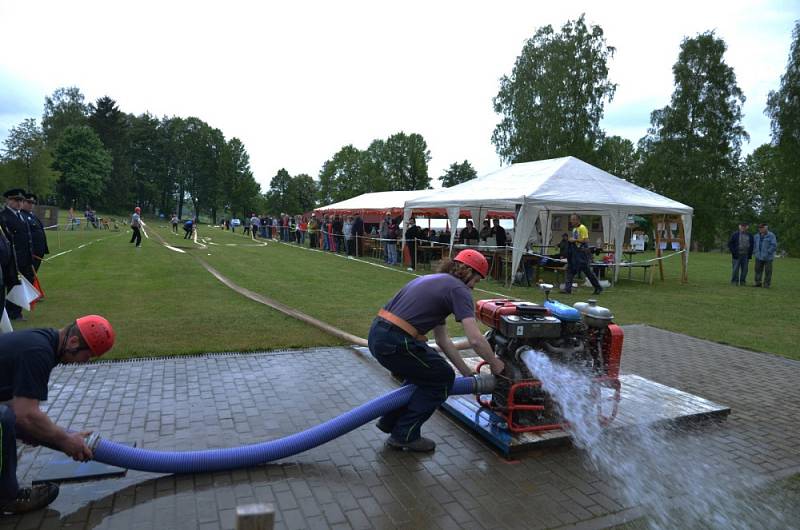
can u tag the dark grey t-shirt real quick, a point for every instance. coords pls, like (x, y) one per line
(26, 359)
(426, 302)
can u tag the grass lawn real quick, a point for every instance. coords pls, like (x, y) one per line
(163, 302)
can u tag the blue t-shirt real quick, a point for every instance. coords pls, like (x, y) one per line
(26, 359)
(426, 302)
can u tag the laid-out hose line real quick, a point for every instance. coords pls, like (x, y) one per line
(290, 311)
(116, 454)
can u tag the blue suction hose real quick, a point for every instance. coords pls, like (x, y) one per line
(116, 454)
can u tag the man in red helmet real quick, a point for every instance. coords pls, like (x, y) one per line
(397, 340)
(136, 226)
(26, 359)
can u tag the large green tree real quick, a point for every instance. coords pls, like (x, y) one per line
(113, 128)
(147, 181)
(458, 173)
(302, 194)
(278, 198)
(691, 153)
(373, 168)
(783, 108)
(617, 155)
(760, 197)
(241, 191)
(65, 108)
(27, 159)
(200, 150)
(553, 101)
(406, 158)
(342, 176)
(84, 165)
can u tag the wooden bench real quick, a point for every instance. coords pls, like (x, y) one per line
(647, 273)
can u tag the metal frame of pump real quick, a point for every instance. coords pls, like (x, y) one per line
(611, 339)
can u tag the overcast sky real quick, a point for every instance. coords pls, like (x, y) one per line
(296, 81)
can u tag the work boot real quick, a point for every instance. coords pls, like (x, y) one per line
(420, 445)
(30, 499)
(383, 427)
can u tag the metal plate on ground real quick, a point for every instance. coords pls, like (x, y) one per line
(642, 401)
(61, 468)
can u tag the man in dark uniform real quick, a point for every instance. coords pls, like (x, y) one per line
(15, 226)
(8, 268)
(38, 235)
(26, 359)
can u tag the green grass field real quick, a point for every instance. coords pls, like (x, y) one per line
(163, 302)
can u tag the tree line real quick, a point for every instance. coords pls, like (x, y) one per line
(550, 105)
(95, 155)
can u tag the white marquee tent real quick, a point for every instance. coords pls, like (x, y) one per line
(377, 202)
(535, 190)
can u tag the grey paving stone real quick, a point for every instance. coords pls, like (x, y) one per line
(230, 400)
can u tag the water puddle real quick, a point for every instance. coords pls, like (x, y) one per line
(675, 474)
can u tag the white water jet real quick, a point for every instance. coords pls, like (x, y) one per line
(675, 475)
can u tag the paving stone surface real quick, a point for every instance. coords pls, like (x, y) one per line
(354, 481)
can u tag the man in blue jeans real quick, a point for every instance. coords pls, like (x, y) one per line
(741, 246)
(764, 244)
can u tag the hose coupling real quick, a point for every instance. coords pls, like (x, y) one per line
(92, 440)
(484, 383)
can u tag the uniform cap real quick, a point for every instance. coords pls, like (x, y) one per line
(14, 193)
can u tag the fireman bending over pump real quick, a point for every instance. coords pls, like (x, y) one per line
(397, 340)
(26, 359)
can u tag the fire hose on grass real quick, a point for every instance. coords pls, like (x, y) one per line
(113, 453)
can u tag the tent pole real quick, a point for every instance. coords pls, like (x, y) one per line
(658, 245)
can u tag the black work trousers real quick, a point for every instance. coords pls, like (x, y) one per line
(579, 262)
(8, 458)
(765, 268)
(418, 364)
(137, 236)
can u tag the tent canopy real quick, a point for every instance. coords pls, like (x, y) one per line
(535, 190)
(374, 203)
(559, 184)
(378, 203)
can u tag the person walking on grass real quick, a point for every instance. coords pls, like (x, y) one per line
(764, 246)
(578, 256)
(174, 222)
(27, 358)
(136, 226)
(397, 340)
(740, 245)
(188, 228)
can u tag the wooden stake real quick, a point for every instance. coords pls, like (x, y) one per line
(255, 517)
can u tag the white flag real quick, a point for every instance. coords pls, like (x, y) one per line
(5, 323)
(23, 294)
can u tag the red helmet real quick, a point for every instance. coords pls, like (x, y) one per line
(97, 333)
(474, 260)
(137, 210)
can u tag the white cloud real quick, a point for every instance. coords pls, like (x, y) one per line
(297, 81)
